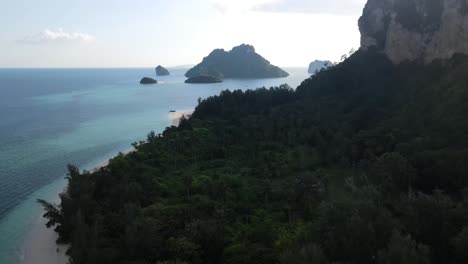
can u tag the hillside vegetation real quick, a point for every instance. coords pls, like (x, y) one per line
(365, 162)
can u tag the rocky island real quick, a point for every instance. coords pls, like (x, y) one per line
(240, 62)
(204, 79)
(147, 80)
(161, 71)
(318, 65)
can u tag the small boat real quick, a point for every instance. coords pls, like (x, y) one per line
(172, 111)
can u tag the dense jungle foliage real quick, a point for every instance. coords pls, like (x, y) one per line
(362, 163)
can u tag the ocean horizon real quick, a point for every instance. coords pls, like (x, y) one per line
(54, 117)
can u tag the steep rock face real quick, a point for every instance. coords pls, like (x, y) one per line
(240, 62)
(415, 30)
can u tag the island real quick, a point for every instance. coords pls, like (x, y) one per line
(241, 62)
(318, 65)
(147, 80)
(161, 71)
(204, 79)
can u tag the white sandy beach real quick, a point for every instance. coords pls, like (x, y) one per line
(40, 246)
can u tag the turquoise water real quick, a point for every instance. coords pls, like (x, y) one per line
(52, 117)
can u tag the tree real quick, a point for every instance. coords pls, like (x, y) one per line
(460, 243)
(404, 250)
(307, 254)
(394, 171)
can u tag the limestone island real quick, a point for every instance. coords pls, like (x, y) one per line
(161, 71)
(204, 79)
(147, 80)
(318, 65)
(241, 62)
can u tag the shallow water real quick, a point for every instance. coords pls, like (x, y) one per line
(52, 117)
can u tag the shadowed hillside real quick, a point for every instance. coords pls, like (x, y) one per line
(364, 163)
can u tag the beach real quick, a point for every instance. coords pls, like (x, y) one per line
(40, 245)
(176, 116)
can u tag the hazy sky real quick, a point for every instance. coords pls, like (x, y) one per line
(142, 33)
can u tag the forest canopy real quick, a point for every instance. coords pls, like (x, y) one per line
(365, 162)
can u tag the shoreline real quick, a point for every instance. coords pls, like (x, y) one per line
(176, 116)
(39, 244)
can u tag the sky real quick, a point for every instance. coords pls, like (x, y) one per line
(146, 33)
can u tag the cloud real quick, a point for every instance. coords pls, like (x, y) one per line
(222, 8)
(226, 6)
(335, 7)
(58, 36)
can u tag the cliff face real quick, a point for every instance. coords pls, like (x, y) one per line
(415, 30)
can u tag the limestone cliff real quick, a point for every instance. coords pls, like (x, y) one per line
(415, 30)
(319, 65)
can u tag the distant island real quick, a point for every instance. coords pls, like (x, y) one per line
(241, 62)
(318, 65)
(161, 71)
(147, 80)
(204, 79)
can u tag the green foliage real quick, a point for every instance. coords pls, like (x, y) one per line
(363, 163)
(307, 254)
(404, 250)
(460, 243)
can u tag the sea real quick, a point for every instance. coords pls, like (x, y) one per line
(53, 117)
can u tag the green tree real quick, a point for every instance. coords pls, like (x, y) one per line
(404, 250)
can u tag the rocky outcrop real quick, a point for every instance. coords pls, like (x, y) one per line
(161, 71)
(415, 30)
(147, 80)
(319, 65)
(203, 79)
(240, 62)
